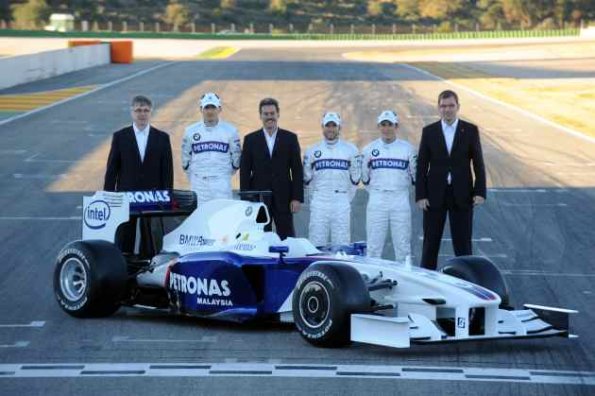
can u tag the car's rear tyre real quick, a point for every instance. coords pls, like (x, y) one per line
(90, 278)
(325, 296)
(482, 272)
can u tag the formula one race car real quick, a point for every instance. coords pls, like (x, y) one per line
(220, 263)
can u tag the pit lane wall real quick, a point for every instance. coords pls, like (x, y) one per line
(27, 68)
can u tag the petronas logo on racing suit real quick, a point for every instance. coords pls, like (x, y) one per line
(389, 163)
(210, 146)
(331, 164)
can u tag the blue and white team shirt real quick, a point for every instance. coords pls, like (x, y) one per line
(211, 150)
(331, 168)
(388, 166)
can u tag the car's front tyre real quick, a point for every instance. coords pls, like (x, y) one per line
(325, 296)
(90, 278)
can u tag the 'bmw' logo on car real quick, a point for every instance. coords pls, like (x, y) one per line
(248, 211)
(97, 214)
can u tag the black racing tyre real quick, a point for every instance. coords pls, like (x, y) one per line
(482, 272)
(90, 278)
(325, 296)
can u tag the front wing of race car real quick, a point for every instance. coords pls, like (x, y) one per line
(494, 323)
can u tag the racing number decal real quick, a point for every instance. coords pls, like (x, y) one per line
(461, 323)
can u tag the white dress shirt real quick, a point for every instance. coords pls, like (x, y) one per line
(270, 140)
(141, 135)
(449, 137)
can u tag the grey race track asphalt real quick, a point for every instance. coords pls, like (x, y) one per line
(536, 225)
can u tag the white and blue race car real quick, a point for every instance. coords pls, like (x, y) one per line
(219, 263)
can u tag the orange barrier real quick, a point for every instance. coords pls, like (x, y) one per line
(76, 43)
(121, 51)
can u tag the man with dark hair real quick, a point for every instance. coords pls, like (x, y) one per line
(140, 158)
(449, 151)
(271, 161)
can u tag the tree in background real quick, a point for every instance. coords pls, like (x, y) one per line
(227, 4)
(5, 13)
(30, 15)
(440, 9)
(280, 6)
(408, 9)
(491, 13)
(176, 14)
(375, 7)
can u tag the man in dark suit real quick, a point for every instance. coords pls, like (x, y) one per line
(140, 158)
(448, 151)
(271, 160)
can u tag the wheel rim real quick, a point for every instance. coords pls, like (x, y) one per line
(73, 279)
(314, 304)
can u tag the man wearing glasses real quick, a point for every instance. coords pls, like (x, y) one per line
(388, 171)
(140, 158)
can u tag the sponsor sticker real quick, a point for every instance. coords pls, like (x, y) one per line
(195, 240)
(97, 213)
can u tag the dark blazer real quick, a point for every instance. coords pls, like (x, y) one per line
(282, 173)
(126, 172)
(434, 163)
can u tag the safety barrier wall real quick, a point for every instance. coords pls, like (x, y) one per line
(26, 68)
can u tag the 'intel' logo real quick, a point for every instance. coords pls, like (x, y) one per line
(97, 214)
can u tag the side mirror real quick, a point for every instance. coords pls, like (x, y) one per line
(360, 247)
(279, 249)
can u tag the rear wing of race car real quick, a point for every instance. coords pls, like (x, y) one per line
(104, 211)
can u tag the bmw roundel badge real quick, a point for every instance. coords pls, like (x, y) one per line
(317, 153)
(248, 211)
(375, 153)
(196, 137)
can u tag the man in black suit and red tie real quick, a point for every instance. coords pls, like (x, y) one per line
(450, 179)
(271, 161)
(140, 158)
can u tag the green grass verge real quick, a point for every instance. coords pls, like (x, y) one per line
(263, 36)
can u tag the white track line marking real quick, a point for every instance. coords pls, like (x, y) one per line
(25, 176)
(517, 190)
(15, 152)
(497, 255)
(39, 323)
(99, 88)
(40, 218)
(546, 273)
(559, 204)
(526, 113)
(484, 239)
(203, 339)
(471, 374)
(18, 344)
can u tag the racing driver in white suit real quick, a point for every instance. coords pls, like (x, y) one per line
(388, 171)
(211, 152)
(332, 172)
